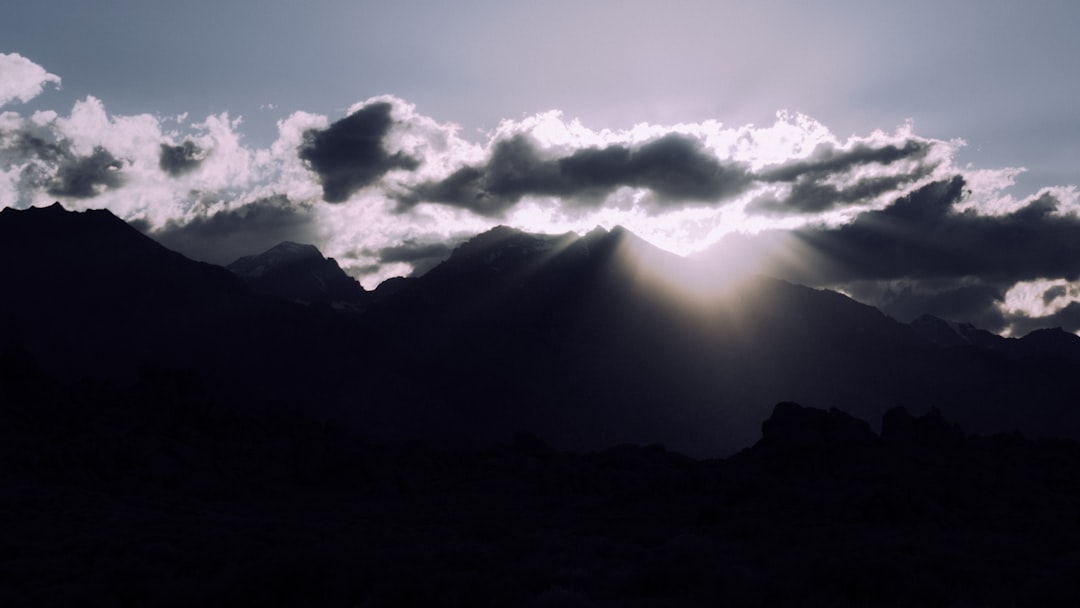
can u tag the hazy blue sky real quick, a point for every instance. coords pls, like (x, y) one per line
(220, 127)
(1002, 75)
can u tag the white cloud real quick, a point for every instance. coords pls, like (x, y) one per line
(439, 146)
(22, 79)
(1040, 298)
(229, 174)
(1028, 305)
(9, 184)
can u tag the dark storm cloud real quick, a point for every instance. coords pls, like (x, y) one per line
(676, 168)
(826, 160)
(422, 256)
(412, 251)
(27, 145)
(24, 146)
(83, 176)
(808, 196)
(178, 160)
(225, 236)
(61, 172)
(1051, 294)
(922, 236)
(920, 255)
(812, 192)
(349, 154)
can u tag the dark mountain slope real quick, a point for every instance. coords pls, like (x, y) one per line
(90, 296)
(1049, 343)
(156, 495)
(571, 338)
(941, 332)
(585, 341)
(1046, 344)
(160, 493)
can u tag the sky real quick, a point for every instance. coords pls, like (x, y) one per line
(918, 156)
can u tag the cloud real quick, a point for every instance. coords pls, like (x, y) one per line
(27, 145)
(22, 79)
(421, 256)
(807, 196)
(1053, 293)
(349, 155)
(1041, 303)
(181, 159)
(55, 167)
(926, 253)
(828, 178)
(92, 159)
(220, 235)
(889, 218)
(87, 176)
(923, 235)
(674, 167)
(827, 160)
(686, 166)
(678, 170)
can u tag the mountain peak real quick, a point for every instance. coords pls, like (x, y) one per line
(947, 333)
(503, 243)
(600, 232)
(285, 252)
(298, 271)
(55, 210)
(1047, 331)
(940, 332)
(297, 249)
(78, 233)
(50, 209)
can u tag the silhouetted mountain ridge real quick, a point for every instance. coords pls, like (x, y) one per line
(584, 341)
(169, 488)
(1040, 343)
(257, 265)
(96, 298)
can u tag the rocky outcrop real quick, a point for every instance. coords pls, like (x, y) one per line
(793, 427)
(930, 429)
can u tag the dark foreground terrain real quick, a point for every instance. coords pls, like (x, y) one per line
(156, 495)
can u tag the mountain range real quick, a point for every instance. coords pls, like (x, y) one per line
(585, 341)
